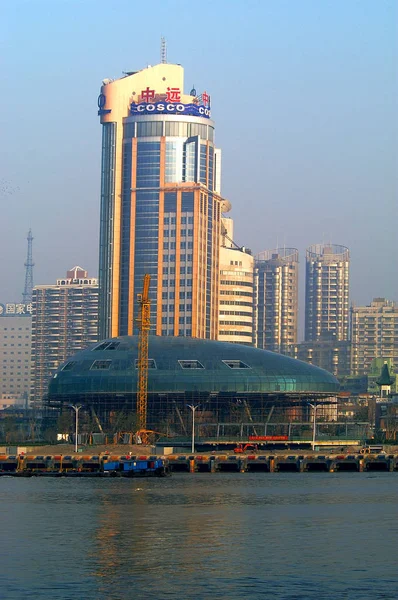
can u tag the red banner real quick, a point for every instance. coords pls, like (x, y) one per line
(268, 438)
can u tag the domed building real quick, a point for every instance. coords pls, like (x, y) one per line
(231, 383)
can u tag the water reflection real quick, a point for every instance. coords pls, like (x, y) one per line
(201, 536)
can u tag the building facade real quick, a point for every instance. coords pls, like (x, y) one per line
(327, 292)
(276, 299)
(15, 353)
(330, 355)
(236, 289)
(374, 334)
(65, 320)
(161, 207)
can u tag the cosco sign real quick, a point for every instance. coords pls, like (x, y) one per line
(159, 107)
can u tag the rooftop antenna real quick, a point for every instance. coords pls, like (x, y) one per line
(29, 264)
(163, 50)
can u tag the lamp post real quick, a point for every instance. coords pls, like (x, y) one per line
(193, 408)
(76, 408)
(314, 407)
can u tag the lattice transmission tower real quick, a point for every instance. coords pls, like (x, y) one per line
(29, 264)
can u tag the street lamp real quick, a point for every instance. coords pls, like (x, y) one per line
(76, 408)
(314, 407)
(193, 408)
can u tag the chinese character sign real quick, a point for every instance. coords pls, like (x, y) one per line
(11, 309)
(147, 95)
(173, 95)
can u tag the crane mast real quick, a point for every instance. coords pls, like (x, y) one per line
(144, 323)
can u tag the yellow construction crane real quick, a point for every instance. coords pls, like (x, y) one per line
(144, 323)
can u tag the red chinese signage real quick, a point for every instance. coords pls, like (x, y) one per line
(268, 438)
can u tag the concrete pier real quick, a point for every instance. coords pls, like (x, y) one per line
(280, 462)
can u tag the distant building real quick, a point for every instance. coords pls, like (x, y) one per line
(15, 353)
(374, 334)
(276, 299)
(327, 293)
(65, 320)
(236, 289)
(330, 355)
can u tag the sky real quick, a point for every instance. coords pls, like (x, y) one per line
(304, 96)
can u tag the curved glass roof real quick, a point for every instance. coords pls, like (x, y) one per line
(183, 364)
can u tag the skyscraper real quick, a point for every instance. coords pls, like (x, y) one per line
(276, 299)
(326, 292)
(65, 320)
(160, 204)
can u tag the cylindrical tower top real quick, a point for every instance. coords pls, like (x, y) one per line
(328, 252)
(281, 254)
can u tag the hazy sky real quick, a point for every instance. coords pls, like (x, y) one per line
(304, 95)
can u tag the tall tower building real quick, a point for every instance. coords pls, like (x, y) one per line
(276, 299)
(326, 292)
(161, 206)
(64, 321)
(374, 334)
(236, 289)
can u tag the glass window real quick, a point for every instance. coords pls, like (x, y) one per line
(171, 162)
(69, 365)
(101, 365)
(149, 128)
(175, 129)
(107, 346)
(236, 364)
(187, 202)
(190, 364)
(129, 130)
(151, 363)
(198, 129)
(170, 202)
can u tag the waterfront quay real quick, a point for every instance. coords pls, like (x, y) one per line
(77, 464)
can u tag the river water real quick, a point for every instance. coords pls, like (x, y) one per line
(201, 536)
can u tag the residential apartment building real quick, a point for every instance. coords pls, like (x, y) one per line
(331, 355)
(161, 206)
(64, 321)
(276, 299)
(327, 292)
(374, 334)
(236, 289)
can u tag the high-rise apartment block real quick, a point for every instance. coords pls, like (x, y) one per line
(65, 320)
(236, 289)
(161, 206)
(15, 350)
(276, 299)
(374, 334)
(327, 292)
